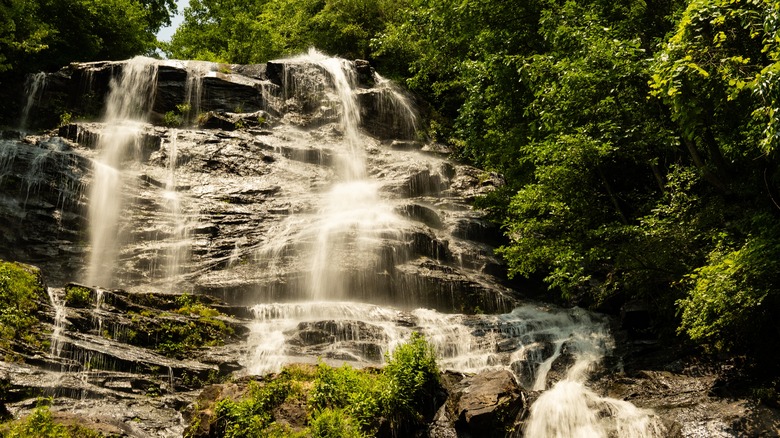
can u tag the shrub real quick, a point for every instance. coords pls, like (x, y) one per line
(336, 423)
(77, 296)
(251, 416)
(411, 378)
(41, 424)
(21, 290)
(342, 402)
(172, 120)
(357, 392)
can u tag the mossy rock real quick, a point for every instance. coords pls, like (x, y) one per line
(78, 296)
(22, 292)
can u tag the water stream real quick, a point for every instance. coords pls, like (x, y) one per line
(345, 237)
(33, 88)
(349, 298)
(126, 110)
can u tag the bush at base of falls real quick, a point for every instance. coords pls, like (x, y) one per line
(190, 326)
(41, 424)
(21, 289)
(323, 401)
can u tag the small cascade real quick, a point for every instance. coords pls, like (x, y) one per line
(97, 314)
(57, 340)
(178, 248)
(328, 329)
(349, 229)
(127, 104)
(352, 219)
(396, 109)
(35, 174)
(33, 89)
(341, 74)
(193, 88)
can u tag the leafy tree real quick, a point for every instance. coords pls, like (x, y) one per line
(734, 297)
(240, 32)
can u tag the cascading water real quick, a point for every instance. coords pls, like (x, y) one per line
(193, 89)
(178, 247)
(33, 89)
(57, 341)
(127, 104)
(347, 237)
(371, 236)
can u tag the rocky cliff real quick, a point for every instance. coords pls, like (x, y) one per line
(255, 226)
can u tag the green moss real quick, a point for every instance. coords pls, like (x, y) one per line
(21, 291)
(41, 424)
(340, 402)
(78, 296)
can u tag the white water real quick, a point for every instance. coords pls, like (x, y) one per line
(179, 245)
(532, 342)
(33, 89)
(351, 161)
(126, 108)
(193, 89)
(57, 340)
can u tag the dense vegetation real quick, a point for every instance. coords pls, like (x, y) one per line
(339, 402)
(41, 424)
(639, 140)
(21, 291)
(44, 35)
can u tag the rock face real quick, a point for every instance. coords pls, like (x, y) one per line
(240, 187)
(231, 204)
(486, 403)
(240, 178)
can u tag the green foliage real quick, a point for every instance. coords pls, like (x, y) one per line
(355, 392)
(342, 402)
(734, 295)
(77, 296)
(40, 424)
(65, 118)
(714, 74)
(172, 120)
(331, 423)
(21, 290)
(48, 34)
(251, 417)
(411, 379)
(229, 31)
(191, 325)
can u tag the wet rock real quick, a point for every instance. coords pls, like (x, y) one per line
(485, 404)
(422, 214)
(214, 120)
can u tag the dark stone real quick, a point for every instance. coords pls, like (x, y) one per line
(485, 404)
(214, 120)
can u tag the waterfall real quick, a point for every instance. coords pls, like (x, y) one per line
(351, 164)
(127, 104)
(33, 89)
(193, 88)
(57, 341)
(180, 228)
(352, 215)
(345, 239)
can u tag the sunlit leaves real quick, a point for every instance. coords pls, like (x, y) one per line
(713, 68)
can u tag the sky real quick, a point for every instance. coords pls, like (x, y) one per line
(166, 33)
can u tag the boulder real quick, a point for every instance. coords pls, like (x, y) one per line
(485, 404)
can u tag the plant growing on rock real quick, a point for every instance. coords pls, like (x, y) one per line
(77, 296)
(21, 291)
(41, 424)
(339, 402)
